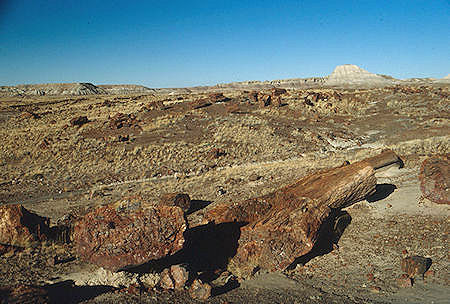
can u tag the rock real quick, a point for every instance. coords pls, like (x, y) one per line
(253, 96)
(19, 227)
(277, 101)
(27, 115)
(129, 233)
(181, 200)
(254, 177)
(404, 282)
(232, 108)
(278, 92)
(179, 275)
(264, 101)
(201, 103)
(24, 294)
(215, 153)
(415, 265)
(120, 120)
(199, 290)
(284, 225)
(174, 277)
(435, 179)
(217, 97)
(79, 121)
(166, 281)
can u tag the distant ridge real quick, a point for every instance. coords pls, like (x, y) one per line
(347, 75)
(73, 89)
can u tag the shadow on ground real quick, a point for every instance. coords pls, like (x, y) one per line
(382, 191)
(329, 234)
(67, 292)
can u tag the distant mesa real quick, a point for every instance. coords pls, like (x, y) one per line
(350, 74)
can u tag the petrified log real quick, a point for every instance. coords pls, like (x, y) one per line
(129, 233)
(435, 179)
(20, 227)
(285, 224)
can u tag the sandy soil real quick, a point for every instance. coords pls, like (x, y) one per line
(54, 168)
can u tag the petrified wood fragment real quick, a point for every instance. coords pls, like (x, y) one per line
(20, 227)
(435, 179)
(129, 233)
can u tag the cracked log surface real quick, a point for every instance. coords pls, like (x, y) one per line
(284, 225)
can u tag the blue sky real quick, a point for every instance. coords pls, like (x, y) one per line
(186, 43)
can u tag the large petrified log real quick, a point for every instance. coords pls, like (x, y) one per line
(285, 224)
(128, 233)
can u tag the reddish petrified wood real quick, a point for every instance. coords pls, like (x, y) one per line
(20, 227)
(285, 224)
(435, 179)
(129, 233)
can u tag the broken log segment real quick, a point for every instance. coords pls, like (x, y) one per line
(285, 224)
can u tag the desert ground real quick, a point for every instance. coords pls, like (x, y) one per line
(222, 146)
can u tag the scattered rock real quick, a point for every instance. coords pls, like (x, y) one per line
(123, 138)
(254, 177)
(232, 108)
(215, 153)
(120, 279)
(21, 227)
(79, 121)
(277, 101)
(264, 101)
(416, 265)
(129, 233)
(201, 103)
(181, 200)
(166, 281)
(120, 120)
(278, 91)
(435, 179)
(253, 96)
(28, 115)
(174, 277)
(217, 97)
(199, 290)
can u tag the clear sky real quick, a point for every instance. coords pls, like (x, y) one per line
(186, 43)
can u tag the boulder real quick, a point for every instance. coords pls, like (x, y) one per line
(284, 225)
(129, 233)
(199, 290)
(174, 277)
(20, 227)
(435, 179)
(415, 265)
